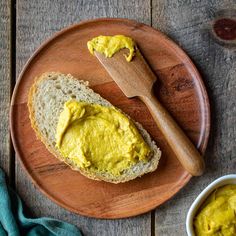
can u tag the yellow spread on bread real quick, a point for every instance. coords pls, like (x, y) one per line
(99, 137)
(217, 216)
(109, 45)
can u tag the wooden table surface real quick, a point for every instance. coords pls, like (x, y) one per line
(25, 24)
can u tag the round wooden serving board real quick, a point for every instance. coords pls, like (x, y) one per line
(179, 88)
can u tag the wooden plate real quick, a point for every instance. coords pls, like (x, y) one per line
(179, 87)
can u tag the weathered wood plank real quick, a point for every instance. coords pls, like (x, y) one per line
(187, 22)
(5, 84)
(36, 21)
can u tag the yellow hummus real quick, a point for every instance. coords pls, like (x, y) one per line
(109, 45)
(217, 216)
(99, 138)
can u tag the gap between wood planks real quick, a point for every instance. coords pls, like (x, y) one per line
(153, 220)
(12, 84)
(12, 170)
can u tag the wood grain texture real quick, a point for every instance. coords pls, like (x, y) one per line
(177, 76)
(36, 21)
(188, 23)
(5, 84)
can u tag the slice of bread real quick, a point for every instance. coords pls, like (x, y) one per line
(45, 102)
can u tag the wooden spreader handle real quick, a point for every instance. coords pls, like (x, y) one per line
(183, 148)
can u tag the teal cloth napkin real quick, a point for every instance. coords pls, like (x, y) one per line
(13, 222)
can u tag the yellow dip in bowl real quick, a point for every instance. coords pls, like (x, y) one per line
(217, 215)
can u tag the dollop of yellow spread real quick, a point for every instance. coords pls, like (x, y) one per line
(99, 138)
(217, 216)
(109, 45)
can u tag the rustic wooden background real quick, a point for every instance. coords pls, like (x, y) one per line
(25, 24)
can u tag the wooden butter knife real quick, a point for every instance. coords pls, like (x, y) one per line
(136, 79)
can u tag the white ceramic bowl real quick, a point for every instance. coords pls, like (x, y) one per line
(227, 179)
